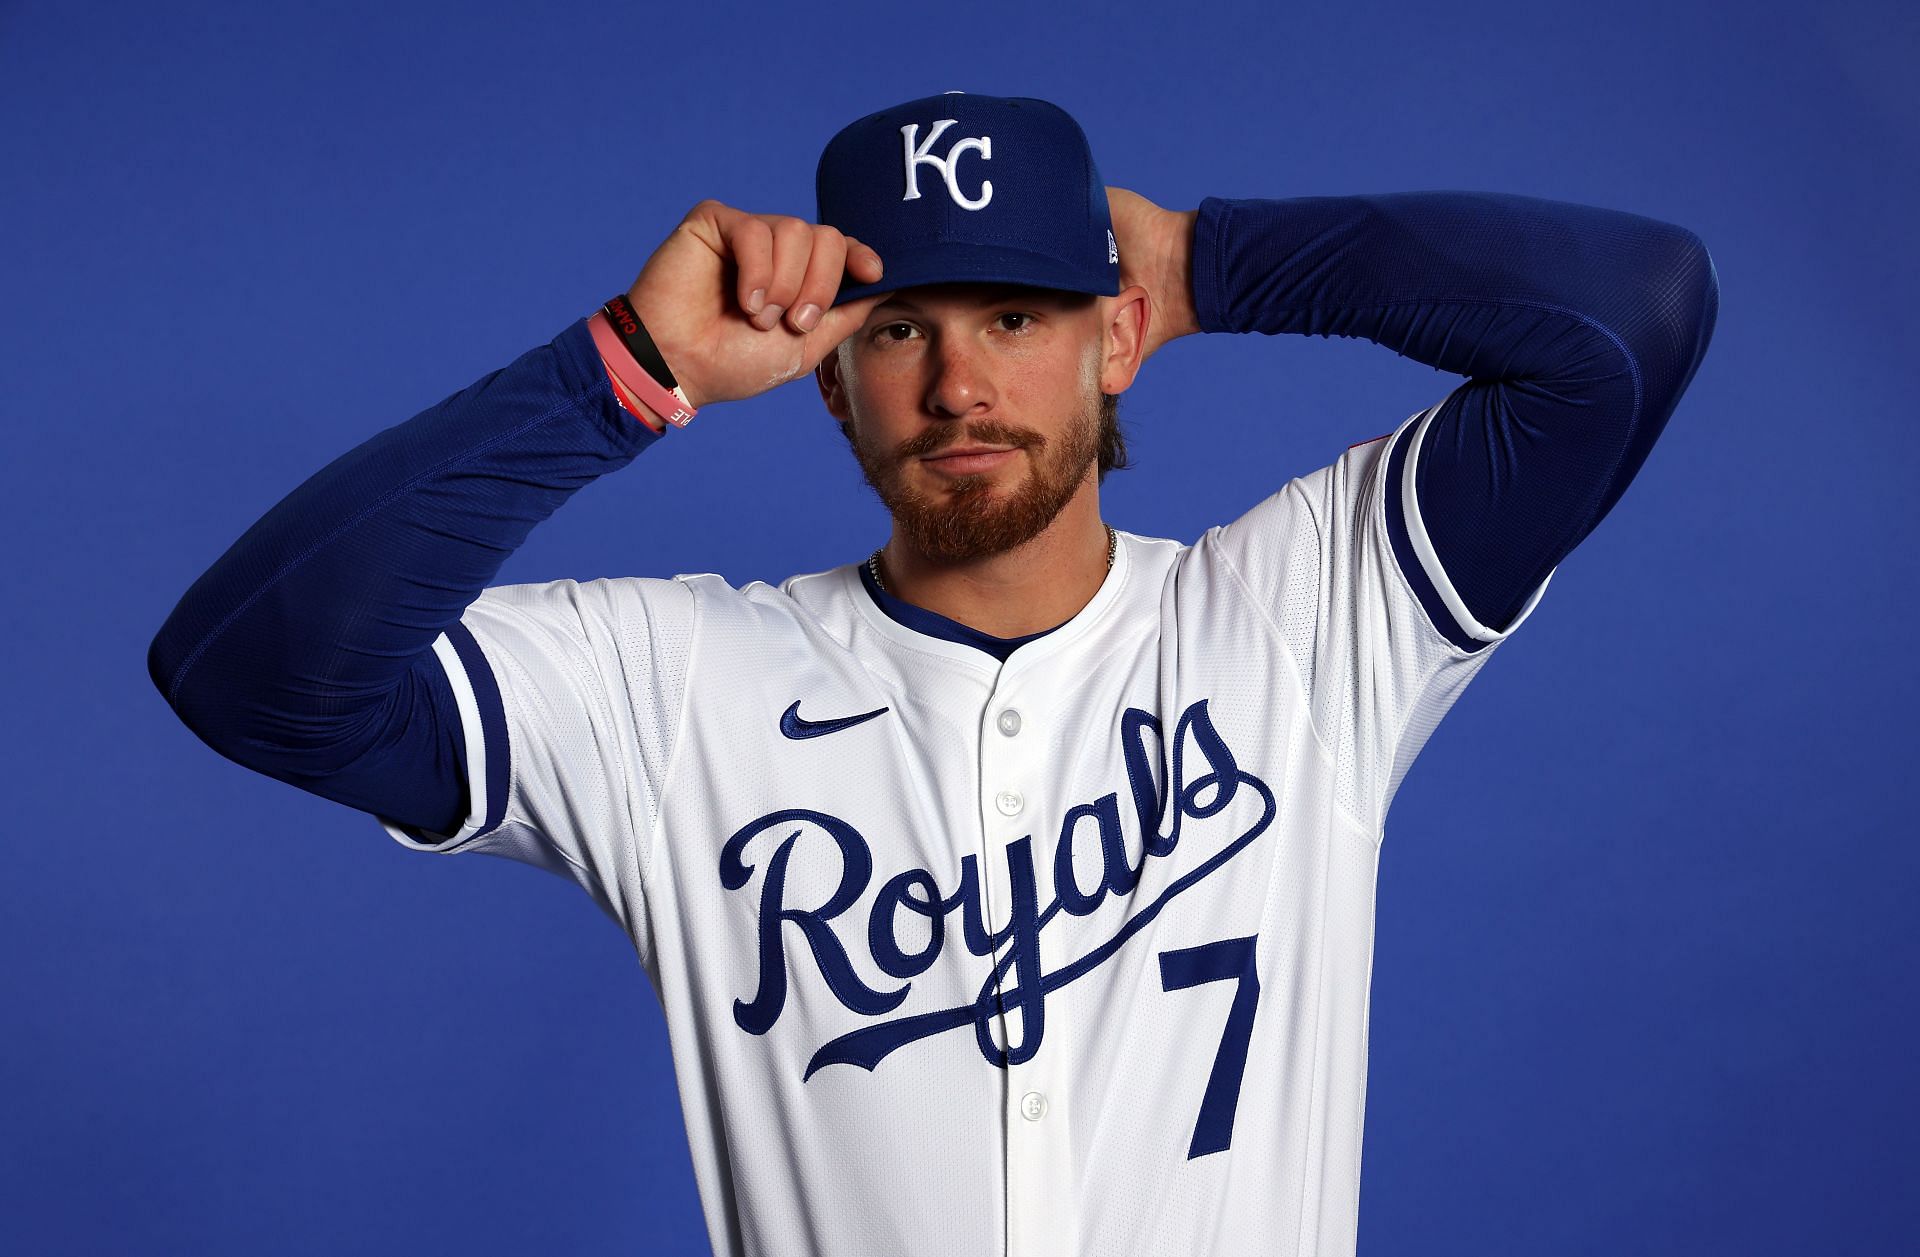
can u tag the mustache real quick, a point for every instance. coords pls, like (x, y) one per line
(980, 431)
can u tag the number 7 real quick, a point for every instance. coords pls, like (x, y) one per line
(1214, 962)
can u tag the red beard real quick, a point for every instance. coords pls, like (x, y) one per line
(969, 518)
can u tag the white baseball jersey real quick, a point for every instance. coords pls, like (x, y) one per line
(1066, 954)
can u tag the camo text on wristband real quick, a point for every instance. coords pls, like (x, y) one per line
(633, 334)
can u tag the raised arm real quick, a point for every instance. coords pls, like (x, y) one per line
(1579, 329)
(306, 652)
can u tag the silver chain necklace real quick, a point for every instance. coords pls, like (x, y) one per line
(873, 560)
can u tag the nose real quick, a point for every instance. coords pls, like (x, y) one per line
(962, 384)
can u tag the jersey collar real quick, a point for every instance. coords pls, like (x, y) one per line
(919, 629)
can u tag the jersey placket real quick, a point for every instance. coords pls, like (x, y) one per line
(1015, 800)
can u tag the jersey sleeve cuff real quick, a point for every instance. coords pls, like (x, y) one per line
(1418, 561)
(483, 726)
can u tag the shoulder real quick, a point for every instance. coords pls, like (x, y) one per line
(602, 598)
(802, 606)
(1150, 558)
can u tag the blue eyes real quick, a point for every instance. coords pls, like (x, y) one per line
(883, 335)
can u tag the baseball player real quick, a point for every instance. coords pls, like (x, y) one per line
(1009, 890)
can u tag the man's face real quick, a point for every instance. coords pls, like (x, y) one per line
(975, 410)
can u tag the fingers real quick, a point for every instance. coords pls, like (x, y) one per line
(788, 267)
(792, 242)
(834, 254)
(824, 267)
(844, 320)
(751, 243)
(862, 262)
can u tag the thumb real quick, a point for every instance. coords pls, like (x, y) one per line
(845, 319)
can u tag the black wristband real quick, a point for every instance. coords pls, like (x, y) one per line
(627, 326)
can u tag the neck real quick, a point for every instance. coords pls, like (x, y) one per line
(1038, 585)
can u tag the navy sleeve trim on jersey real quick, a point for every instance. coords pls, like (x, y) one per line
(1414, 552)
(494, 750)
(476, 709)
(1577, 328)
(1416, 573)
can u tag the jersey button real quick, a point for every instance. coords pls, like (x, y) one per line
(1033, 1106)
(1009, 722)
(1009, 802)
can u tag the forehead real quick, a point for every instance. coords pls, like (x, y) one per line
(970, 294)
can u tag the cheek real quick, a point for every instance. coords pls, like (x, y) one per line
(873, 409)
(1090, 370)
(872, 390)
(1063, 391)
(1065, 374)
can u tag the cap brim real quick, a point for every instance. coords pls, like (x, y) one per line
(974, 263)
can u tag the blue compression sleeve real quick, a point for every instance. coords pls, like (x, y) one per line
(305, 652)
(1578, 327)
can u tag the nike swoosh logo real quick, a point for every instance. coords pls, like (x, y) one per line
(794, 726)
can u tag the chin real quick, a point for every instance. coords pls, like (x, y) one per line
(974, 525)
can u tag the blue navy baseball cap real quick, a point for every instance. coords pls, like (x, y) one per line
(964, 188)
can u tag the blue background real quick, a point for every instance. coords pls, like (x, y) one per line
(1645, 956)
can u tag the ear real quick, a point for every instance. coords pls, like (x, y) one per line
(1127, 318)
(833, 390)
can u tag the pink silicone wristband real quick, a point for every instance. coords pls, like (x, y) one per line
(631, 404)
(670, 406)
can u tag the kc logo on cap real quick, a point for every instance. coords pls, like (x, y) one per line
(963, 188)
(920, 156)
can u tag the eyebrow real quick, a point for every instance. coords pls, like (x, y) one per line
(993, 296)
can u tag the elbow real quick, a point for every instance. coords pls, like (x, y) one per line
(250, 718)
(1687, 287)
(199, 698)
(1675, 306)
(167, 667)
(1706, 306)
(210, 711)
